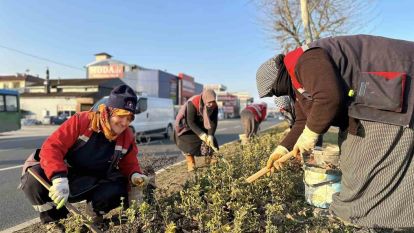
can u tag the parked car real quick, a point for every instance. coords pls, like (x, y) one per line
(58, 120)
(46, 120)
(28, 121)
(153, 117)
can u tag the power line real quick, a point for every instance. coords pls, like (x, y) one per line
(41, 58)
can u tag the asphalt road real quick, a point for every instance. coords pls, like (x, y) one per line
(16, 146)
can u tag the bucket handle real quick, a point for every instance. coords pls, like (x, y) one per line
(322, 183)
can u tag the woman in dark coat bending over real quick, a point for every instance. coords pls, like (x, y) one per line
(362, 84)
(195, 126)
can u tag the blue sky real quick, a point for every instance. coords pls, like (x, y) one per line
(216, 41)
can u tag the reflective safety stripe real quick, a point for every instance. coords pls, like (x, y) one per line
(119, 148)
(84, 138)
(45, 207)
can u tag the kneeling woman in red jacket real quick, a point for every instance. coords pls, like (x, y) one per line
(92, 156)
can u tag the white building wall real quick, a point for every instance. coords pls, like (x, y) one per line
(39, 106)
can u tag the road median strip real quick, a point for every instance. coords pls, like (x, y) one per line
(159, 172)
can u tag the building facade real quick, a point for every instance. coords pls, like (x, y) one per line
(186, 87)
(149, 82)
(244, 99)
(157, 83)
(198, 88)
(65, 96)
(19, 82)
(215, 87)
(228, 104)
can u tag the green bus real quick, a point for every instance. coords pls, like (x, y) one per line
(9, 110)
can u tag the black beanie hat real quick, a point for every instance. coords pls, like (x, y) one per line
(123, 97)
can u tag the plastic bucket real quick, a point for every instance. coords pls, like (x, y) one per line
(320, 185)
(328, 155)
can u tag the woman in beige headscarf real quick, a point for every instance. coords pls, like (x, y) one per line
(195, 126)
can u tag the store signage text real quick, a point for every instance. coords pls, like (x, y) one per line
(109, 71)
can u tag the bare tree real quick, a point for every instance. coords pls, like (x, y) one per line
(306, 20)
(326, 18)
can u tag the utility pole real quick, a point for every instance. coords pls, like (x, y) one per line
(47, 82)
(306, 20)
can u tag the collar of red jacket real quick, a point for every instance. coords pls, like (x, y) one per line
(291, 59)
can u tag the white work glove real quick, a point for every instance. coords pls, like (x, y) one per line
(210, 141)
(139, 179)
(59, 191)
(203, 137)
(306, 141)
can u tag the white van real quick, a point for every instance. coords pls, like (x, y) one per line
(153, 117)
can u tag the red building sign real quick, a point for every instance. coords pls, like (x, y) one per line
(186, 87)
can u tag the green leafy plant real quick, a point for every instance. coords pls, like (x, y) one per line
(218, 199)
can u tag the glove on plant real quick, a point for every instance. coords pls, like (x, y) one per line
(306, 141)
(59, 191)
(139, 179)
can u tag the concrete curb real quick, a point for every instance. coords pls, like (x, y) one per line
(21, 226)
